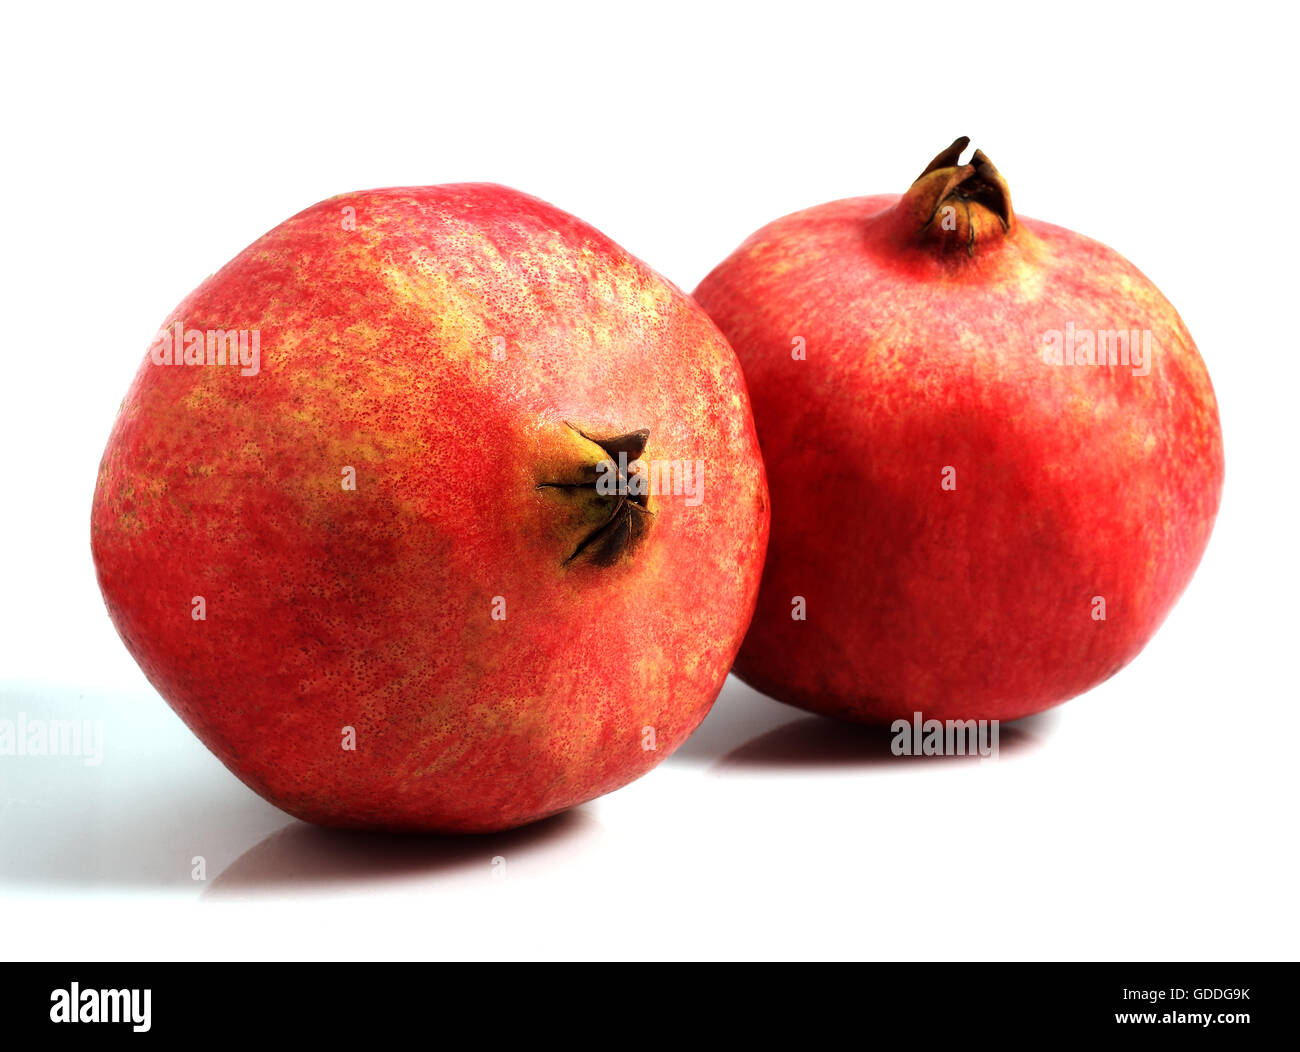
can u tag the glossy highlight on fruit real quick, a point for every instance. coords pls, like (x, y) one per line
(434, 510)
(993, 451)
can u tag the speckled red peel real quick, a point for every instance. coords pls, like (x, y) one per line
(504, 639)
(933, 324)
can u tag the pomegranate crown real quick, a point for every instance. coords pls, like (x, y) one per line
(954, 205)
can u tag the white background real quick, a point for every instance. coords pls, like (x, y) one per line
(1154, 817)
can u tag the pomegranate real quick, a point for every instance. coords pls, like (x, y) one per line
(993, 451)
(434, 510)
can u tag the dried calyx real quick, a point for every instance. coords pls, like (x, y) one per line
(959, 206)
(619, 488)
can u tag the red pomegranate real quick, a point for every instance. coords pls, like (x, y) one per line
(993, 451)
(434, 510)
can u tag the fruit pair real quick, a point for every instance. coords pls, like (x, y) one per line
(436, 510)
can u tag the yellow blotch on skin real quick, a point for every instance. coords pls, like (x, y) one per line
(454, 316)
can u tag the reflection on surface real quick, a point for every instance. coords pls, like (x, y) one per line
(159, 801)
(815, 741)
(306, 857)
(135, 821)
(158, 812)
(746, 729)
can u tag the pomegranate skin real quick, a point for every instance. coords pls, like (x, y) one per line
(460, 349)
(953, 507)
